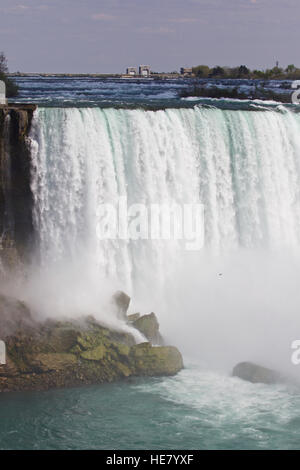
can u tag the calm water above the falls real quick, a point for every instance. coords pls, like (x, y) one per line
(194, 410)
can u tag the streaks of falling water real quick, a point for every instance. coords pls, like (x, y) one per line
(243, 166)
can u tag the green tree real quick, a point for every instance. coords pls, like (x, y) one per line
(290, 68)
(201, 71)
(218, 72)
(11, 87)
(3, 63)
(243, 71)
(258, 74)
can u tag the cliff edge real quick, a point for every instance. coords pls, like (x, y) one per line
(16, 226)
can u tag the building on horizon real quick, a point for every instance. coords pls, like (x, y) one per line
(145, 71)
(186, 71)
(132, 71)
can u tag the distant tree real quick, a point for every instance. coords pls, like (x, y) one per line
(291, 72)
(243, 71)
(201, 71)
(3, 63)
(276, 72)
(218, 72)
(258, 74)
(11, 87)
(290, 68)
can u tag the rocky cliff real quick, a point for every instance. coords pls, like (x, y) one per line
(51, 354)
(16, 227)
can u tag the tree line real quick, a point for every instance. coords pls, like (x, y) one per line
(11, 87)
(291, 72)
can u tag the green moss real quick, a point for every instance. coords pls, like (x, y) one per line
(96, 354)
(153, 361)
(54, 361)
(60, 354)
(122, 349)
(61, 339)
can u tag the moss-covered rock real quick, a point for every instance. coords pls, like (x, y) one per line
(122, 302)
(96, 354)
(62, 354)
(160, 360)
(14, 315)
(53, 362)
(133, 317)
(148, 325)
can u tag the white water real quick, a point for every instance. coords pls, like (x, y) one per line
(243, 166)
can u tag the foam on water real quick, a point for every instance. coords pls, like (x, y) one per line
(197, 409)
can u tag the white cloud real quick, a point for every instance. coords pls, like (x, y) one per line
(21, 9)
(183, 20)
(102, 17)
(154, 30)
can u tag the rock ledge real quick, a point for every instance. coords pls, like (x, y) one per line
(54, 354)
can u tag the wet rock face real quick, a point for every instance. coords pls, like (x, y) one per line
(133, 317)
(61, 354)
(14, 315)
(122, 302)
(256, 374)
(16, 225)
(163, 360)
(148, 325)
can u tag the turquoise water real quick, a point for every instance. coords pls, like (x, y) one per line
(196, 409)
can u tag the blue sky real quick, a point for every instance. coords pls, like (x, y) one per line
(107, 35)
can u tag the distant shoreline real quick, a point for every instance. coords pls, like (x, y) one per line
(98, 75)
(154, 76)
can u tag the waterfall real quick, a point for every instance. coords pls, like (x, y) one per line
(243, 166)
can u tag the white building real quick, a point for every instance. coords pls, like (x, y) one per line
(144, 71)
(3, 99)
(131, 71)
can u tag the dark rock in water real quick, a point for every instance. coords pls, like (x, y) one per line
(256, 374)
(148, 325)
(56, 354)
(122, 302)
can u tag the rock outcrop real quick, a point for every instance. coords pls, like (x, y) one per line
(133, 317)
(122, 302)
(256, 374)
(148, 325)
(55, 354)
(16, 226)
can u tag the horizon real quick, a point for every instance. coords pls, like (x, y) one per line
(175, 71)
